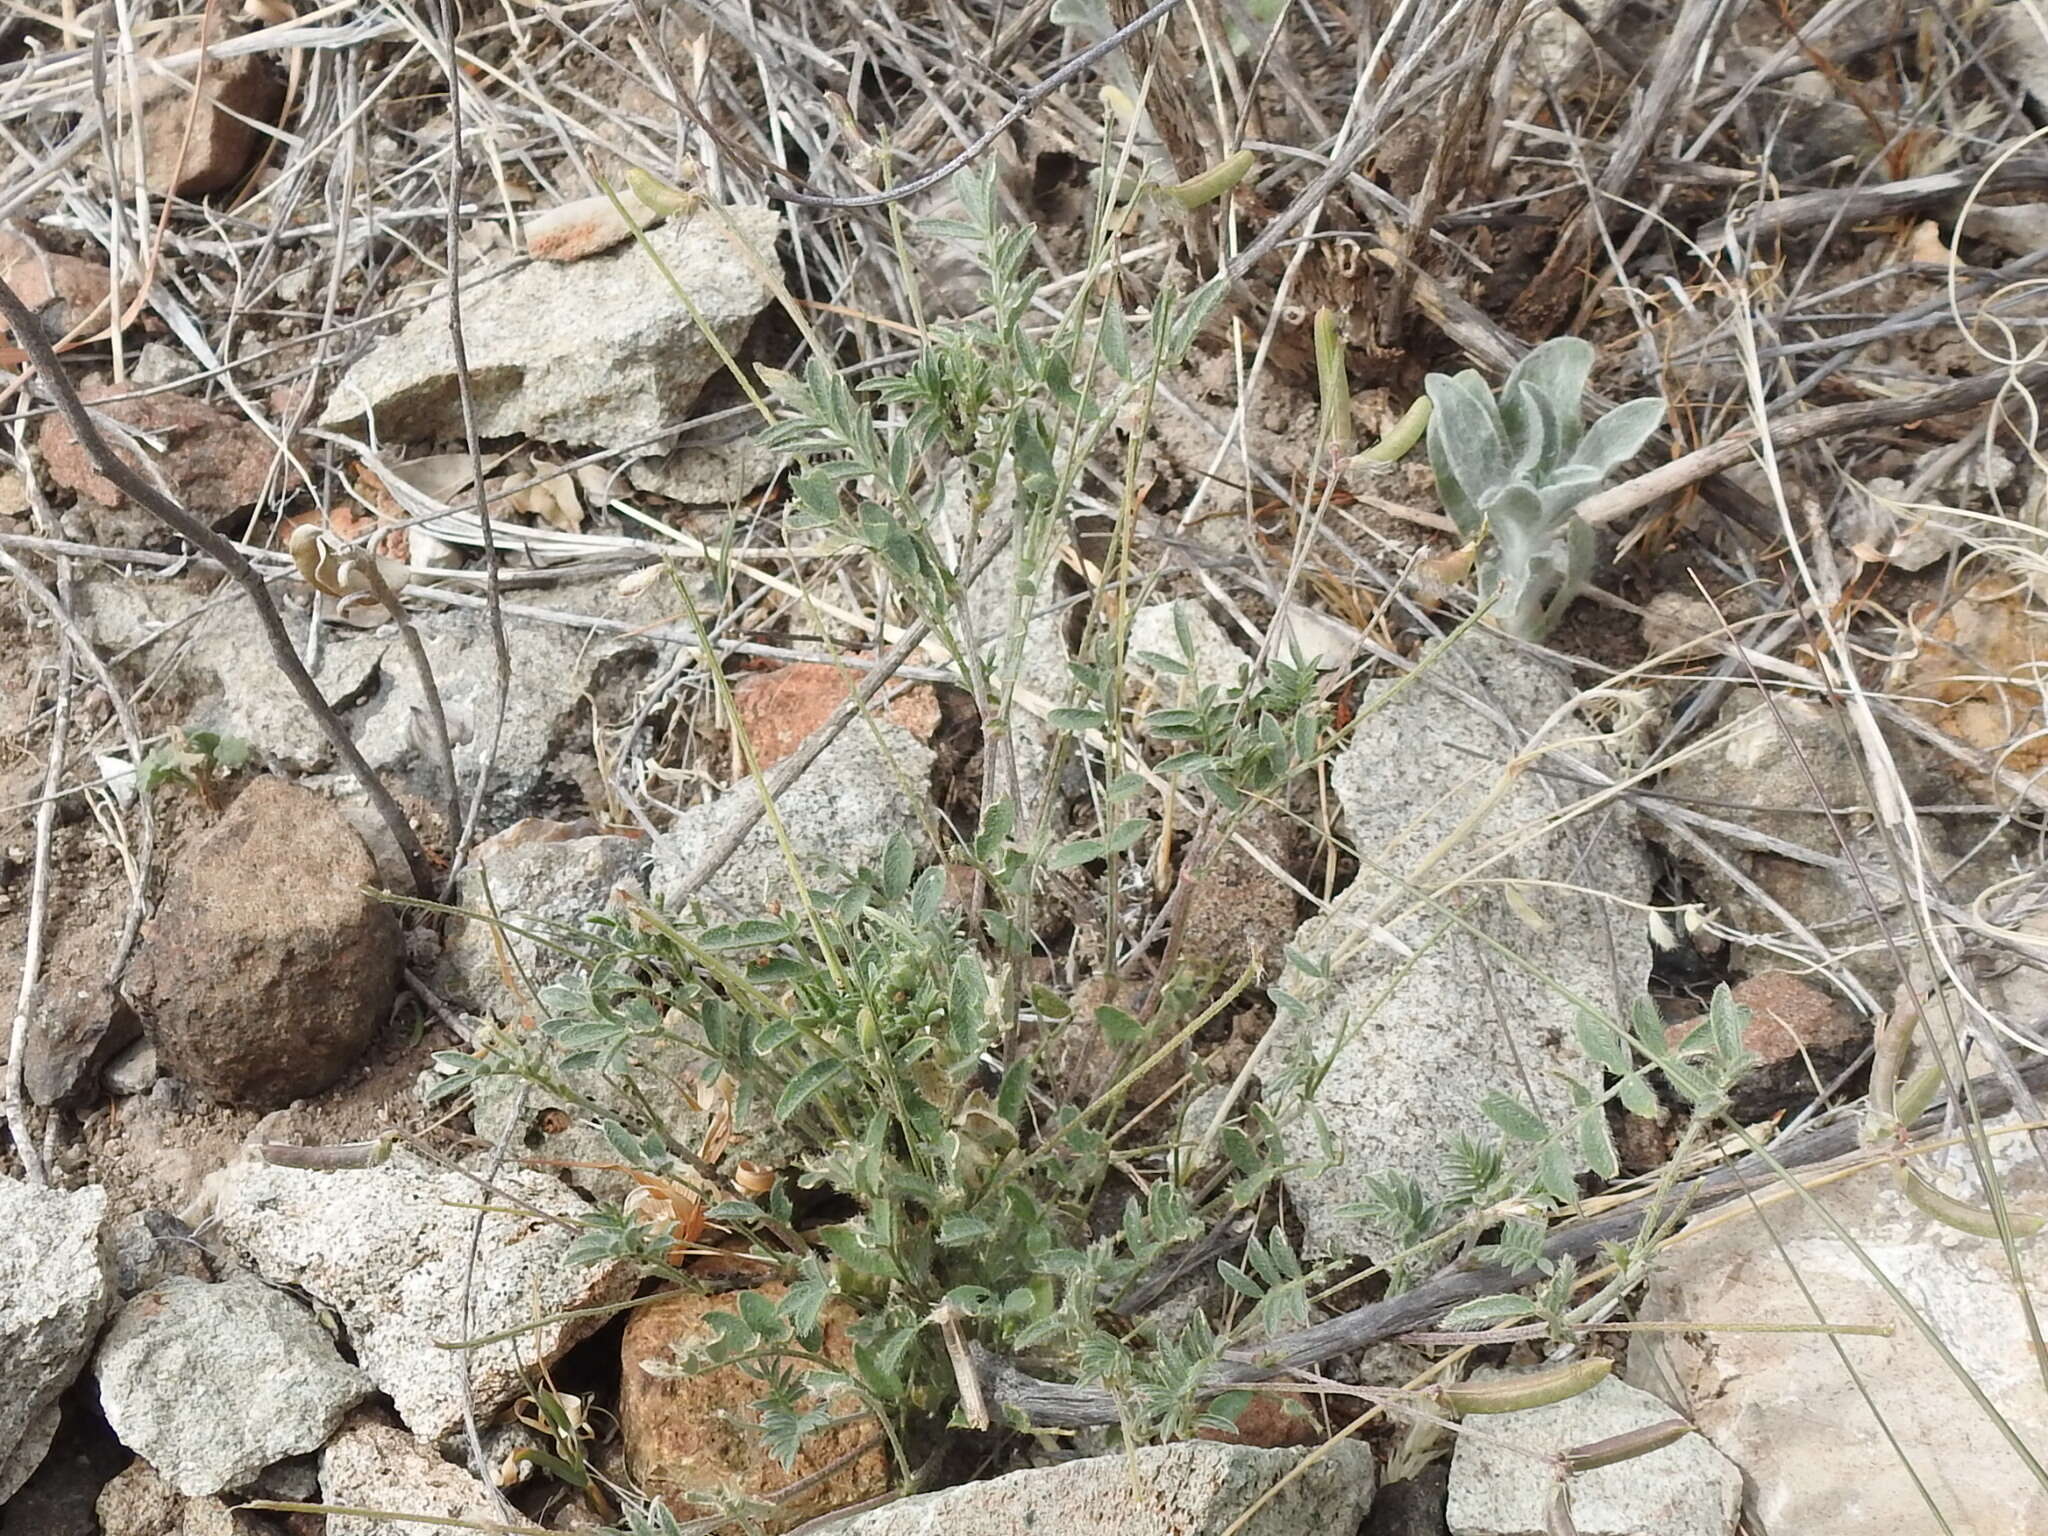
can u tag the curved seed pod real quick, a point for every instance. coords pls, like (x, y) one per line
(347, 1154)
(344, 573)
(1212, 183)
(1960, 1214)
(1888, 1060)
(316, 561)
(1404, 435)
(644, 1206)
(1626, 1446)
(1535, 1390)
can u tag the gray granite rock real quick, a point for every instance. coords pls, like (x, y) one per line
(151, 1247)
(386, 1248)
(714, 467)
(538, 878)
(1864, 1434)
(216, 652)
(543, 754)
(213, 1383)
(56, 1288)
(1195, 1488)
(38, 1434)
(1212, 658)
(1502, 1484)
(600, 351)
(372, 1465)
(1442, 989)
(869, 785)
(131, 1072)
(257, 703)
(544, 762)
(2023, 52)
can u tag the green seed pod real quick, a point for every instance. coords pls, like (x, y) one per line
(1406, 433)
(1535, 1390)
(1333, 384)
(1960, 1214)
(1212, 183)
(1917, 1094)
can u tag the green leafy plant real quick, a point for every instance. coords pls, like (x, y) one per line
(197, 760)
(1248, 741)
(928, 1174)
(992, 425)
(1003, 402)
(943, 1195)
(1515, 468)
(866, 1030)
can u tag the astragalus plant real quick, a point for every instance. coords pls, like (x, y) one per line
(1514, 469)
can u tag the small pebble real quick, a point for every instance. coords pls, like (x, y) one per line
(133, 1071)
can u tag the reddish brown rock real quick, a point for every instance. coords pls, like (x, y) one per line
(268, 967)
(1802, 1039)
(82, 1023)
(689, 1439)
(780, 708)
(66, 292)
(192, 145)
(1272, 1420)
(1977, 676)
(215, 463)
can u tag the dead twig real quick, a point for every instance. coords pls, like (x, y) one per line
(782, 192)
(38, 924)
(1857, 416)
(462, 833)
(131, 735)
(439, 741)
(2015, 173)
